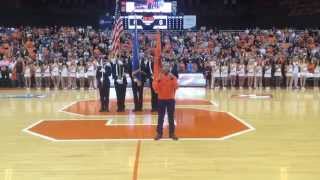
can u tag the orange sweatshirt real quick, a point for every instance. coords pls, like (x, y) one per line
(165, 86)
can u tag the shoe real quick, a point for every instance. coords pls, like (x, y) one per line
(174, 137)
(158, 137)
(154, 110)
(102, 110)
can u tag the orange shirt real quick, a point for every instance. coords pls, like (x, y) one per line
(166, 86)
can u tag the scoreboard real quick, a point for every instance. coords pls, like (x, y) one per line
(153, 22)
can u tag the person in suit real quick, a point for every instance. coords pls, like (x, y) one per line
(150, 76)
(120, 82)
(103, 73)
(166, 86)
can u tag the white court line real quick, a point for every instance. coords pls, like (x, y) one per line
(214, 103)
(109, 123)
(27, 130)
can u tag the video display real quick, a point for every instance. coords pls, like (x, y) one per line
(148, 6)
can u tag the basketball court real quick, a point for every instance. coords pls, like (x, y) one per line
(61, 135)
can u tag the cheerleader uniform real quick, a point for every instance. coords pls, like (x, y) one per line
(216, 75)
(258, 76)
(316, 76)
(64, 76)
(267, 76)
(81, 73)
(47, 76)
(91, 75)
(277, 75)
(27, 76)
(224, 76)
(73, 77)
(289, 70)
(303, 75)
(242, 75)
(55, 75)
(233, 74)
(251, 76)
(38, 77)
(295, 74)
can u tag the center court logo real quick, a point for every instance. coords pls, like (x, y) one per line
(194, 122)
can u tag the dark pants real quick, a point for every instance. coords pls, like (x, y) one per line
(104, 90)
(20, 80)
(5, 79)
(163, 106)
(121, 95)
(138, 95)
(154, 97)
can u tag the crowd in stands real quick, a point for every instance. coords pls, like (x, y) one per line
(67, 57)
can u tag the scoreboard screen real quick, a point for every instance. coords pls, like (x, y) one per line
(154, 22)
(148, 6)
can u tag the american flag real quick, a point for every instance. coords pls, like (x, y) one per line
(117, 30)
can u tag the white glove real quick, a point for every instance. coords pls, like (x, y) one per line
(103, 70)
(119, 81)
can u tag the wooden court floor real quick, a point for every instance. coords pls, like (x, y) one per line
(283, 143)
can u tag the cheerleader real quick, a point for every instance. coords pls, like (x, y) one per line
(224, 75)
(289, 70)
(38, 75)
(251, 71)
(277, 75)
(81, 70)
(91, 75)
(55, 75)
(295, 74)
(316, 75)
(216, 75)
(64, 76)
(46, 75)
(212, 66)
(258, 76)
(242, 75)
(303, 74)
(27, 75)
(72, 76)
(233, 74)
(95, 64)
(267, 75)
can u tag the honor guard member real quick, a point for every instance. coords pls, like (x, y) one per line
(104, 71)
(150, 76)
(120, 82)
(166, 87)
(138, 79)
